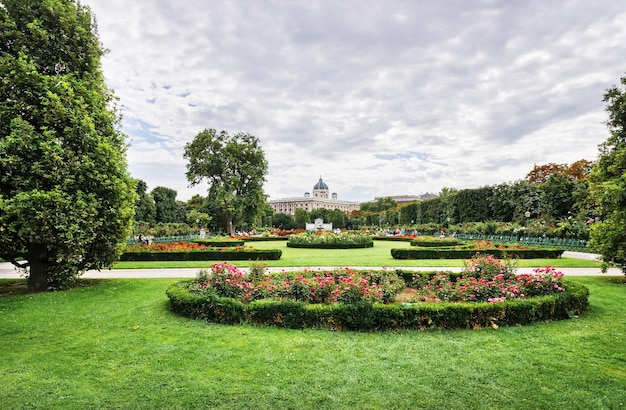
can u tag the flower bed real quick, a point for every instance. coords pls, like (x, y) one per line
(486, 293)
(219, 243)
(184, 251)
(466, 253)
(434, 242)
(325, 240)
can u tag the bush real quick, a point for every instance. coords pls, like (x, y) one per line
(432, 242)
(486, 292)
(366, 316)
(219, 243)
(214, 254)
(344, 240)
(453, 253)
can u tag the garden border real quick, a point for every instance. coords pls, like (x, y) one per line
(379, 317)
(452, 253)
(216, 255)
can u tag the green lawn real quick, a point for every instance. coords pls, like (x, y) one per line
(78, 349)
(377, 256)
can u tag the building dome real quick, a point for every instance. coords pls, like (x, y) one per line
(320, 185)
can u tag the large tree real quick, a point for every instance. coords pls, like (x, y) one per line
(608, 182)
(235, 169)
(145, 209)
(66, 199)
(167, 209)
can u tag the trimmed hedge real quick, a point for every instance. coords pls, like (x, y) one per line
(330, 245)
(264, 238)
(428, 242)
(219, 243)
(447, 253)
(209, 255)
(393, 238)
(379, 317)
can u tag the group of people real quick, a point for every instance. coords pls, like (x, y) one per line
(144, 240)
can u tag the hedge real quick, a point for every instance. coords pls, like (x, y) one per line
(436, 242)
(379, 317)
(393, 238)
(209, 255)
(330, 245)
(447, 253)
(219, 243)
(264, 238)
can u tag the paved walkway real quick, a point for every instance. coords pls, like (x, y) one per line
(8, 271)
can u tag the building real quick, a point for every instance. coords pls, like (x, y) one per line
(405, 199)
(320, 198)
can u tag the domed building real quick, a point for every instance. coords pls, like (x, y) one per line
(319, 199)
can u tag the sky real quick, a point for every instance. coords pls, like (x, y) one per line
(379, 98)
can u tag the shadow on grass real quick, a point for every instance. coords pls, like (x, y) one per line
(13, 287)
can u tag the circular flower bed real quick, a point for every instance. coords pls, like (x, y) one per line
(327, 240)
(486, 293)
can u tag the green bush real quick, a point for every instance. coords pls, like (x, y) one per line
(219, 243)
(208, 255)
(448, 253)
(344, 240)
(433, 242)
(393, 238)
(364, 316)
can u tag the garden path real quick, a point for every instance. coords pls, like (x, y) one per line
(8, 271)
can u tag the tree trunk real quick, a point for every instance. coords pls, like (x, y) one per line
(38, 269)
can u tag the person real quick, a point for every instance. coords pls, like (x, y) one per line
(144, 240)
(202, 233)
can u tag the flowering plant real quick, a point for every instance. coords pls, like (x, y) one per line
(338, 286)
(487, 279)
(182, 247)
(326, 238)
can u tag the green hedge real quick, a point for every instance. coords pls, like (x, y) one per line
(447, 253)
(219, 243)
(379, 317)
(393, 238)
(428, 242)
(265, 238)
(330, 245)
(209, 255)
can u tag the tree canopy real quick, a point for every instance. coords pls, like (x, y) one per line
(608, 182)
(235, 168)
(66, 199)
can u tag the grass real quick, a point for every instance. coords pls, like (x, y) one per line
(114, 344)
(377, 256)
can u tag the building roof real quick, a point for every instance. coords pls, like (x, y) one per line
(320, 185)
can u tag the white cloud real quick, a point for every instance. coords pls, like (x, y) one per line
(380, 98)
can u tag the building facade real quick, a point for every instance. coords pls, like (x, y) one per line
(320, 198)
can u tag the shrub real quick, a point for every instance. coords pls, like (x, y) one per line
(453, 253)
(432, 242)
(485, 294)
(324, 240)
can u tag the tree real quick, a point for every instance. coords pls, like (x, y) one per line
(541, 173)
(66, 199)
(557, 196)
(337, 217)
(301, 218)
(283, 221)
(196, 202)
(608, 182)
(198, 219)
(145, 209)
(235, 169)
(166, 206)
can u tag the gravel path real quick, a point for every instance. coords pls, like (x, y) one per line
(8, 271)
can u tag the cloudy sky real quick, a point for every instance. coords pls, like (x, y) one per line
(379, 98)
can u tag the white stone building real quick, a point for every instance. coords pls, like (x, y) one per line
(319, 199)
